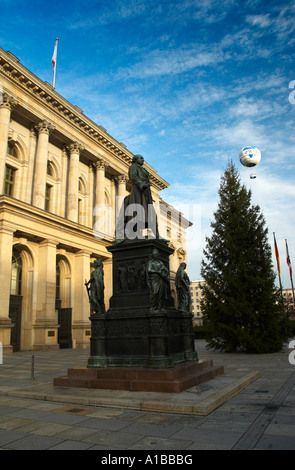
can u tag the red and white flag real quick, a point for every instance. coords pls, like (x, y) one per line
(54, 57)
(277, 256)
(288, 260)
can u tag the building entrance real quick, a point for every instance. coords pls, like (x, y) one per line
(15, 314)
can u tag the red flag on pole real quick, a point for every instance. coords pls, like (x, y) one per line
(277, 256)
(54, 57)
(290, 269)
(288, 260)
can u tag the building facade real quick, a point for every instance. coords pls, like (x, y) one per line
(62, 177)
(196, 295)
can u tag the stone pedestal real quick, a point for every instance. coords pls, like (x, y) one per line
(130, 333)
(134, 347)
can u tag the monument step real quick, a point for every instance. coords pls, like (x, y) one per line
(173, 380)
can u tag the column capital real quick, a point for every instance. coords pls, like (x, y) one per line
(49, 242)
(100, 164)
(44, 127)
(7, 101)
(87, 253)
(6, 228)
(75, 147)
(121, 179)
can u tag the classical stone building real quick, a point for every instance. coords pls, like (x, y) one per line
(196, 295)
(57, 166)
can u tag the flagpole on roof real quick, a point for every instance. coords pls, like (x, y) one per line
(290, 269)
(54, 57)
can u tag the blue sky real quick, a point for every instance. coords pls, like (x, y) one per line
(185, 83)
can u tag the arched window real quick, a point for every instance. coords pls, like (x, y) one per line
(16, 273)
(50, 170)
(57, 292)
(9, 180)
(82, 203)
(63, 281)
(11, 149)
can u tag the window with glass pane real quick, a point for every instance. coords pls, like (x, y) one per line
(11, 149)
(16, 273)
(57, 291)
(79, 210)
(47, 197)
(9, 180)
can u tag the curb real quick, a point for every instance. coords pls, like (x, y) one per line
(178, 406)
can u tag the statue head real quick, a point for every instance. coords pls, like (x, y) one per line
(138, 159)
(155, 253)
(97, 263)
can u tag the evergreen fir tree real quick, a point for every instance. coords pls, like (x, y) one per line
(241, 308)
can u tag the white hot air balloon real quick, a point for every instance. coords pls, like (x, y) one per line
(250, 156)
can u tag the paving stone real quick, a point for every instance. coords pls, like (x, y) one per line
(71, 445)
(77, 433)
(268, 442)
(103, 424)
(152, 429)
(116, 439)
(34, 442)
(158, 443)
(280, 430)
(10, 436)
(15, 423)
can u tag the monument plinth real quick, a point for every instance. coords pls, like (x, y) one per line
(134, 332)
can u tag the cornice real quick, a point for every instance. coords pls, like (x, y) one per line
(11, 68)
(34, 215)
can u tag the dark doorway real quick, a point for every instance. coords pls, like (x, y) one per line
(15, 314)
(65, 327)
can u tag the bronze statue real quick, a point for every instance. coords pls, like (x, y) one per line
(139, 202)
(158, 282)
(182, 284)
(96, 289)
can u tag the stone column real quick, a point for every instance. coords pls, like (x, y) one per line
(64, 169)
(6, 105)
(121, 194)
(90, 201)
(73, 182)
(121, 180)
(99, 208)
(6, 239)
(39, 187)
(30, 174)
(46, 326)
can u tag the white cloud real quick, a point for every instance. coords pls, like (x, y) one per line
(260, 20)
(171, 62)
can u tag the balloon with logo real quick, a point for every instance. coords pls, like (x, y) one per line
(250, 157)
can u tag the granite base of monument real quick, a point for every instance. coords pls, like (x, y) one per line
(134, 346)
(175, 380)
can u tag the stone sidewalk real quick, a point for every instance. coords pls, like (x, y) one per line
(251, 406)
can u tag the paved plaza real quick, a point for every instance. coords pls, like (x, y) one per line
(252, 407)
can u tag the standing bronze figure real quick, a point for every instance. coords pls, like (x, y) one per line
(158, 282)
(95, 289)
(140, 201)
(182, 284)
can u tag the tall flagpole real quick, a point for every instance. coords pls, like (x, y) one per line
(290, 269)
(54, 57)
(278, 262)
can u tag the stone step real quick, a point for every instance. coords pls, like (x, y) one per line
(173, 380)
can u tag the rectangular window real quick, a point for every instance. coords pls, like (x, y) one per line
(79, 211)
(47, 197)
(9, 180)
